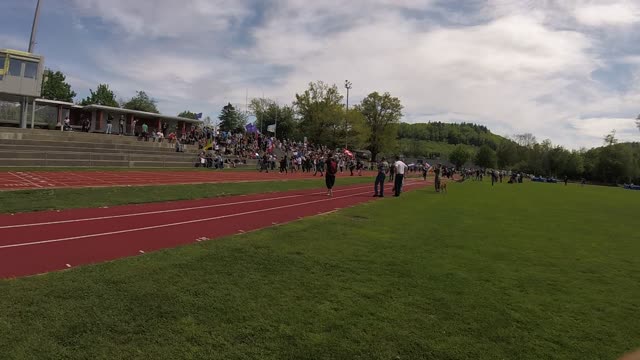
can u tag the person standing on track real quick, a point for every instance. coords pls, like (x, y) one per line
(319, 166)
(400, 168)
(383, 169)
(330, 177)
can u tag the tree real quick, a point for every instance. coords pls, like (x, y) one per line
(382, 114)
(231, 119)
(574, 167)
(459, 156)
(55, 87)
(507, 154)
(268, 112)
(188, 115)
(102, 96)
(207, 121)
(486, 157)
(142, 102)
(319, 109)
(610, 139)
(357, 130)
(526, 140)
(259, 109)
(614, 164)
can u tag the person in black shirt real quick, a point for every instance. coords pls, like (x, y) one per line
(330, 177)
(164, 128)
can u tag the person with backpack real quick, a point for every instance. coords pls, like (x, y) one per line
(330, 177)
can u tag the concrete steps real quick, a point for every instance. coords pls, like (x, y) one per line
(92, 163)
(82, 146)
(20, 146)
(38, 148)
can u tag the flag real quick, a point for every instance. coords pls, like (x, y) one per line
(271, 128)
(251, 128)
(199, 116)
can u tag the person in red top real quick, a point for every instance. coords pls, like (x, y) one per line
(330, 177)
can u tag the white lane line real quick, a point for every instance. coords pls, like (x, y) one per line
(33, 178)
(175, 224)
(168, 211)
(25, 180)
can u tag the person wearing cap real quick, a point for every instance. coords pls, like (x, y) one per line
(383, 169)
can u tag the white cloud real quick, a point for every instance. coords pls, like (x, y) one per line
(13, 42)
(625, 128)
(621, 13)
(165, 18)
(494, 72)
(522, 67)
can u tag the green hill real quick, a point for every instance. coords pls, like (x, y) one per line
(437, 140)
(611, 164)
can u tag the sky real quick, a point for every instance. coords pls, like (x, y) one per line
(563, 70)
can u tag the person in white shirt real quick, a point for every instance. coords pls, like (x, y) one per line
(401, 168)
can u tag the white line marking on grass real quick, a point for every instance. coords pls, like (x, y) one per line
(173, 224)
(165, 211)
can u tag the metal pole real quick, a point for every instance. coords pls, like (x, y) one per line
(34, 28)
(33, 112)
(347, 84)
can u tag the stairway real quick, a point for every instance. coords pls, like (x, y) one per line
(53, 148)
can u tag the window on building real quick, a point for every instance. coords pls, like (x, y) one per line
(15, 67)
(3, 58)
(30, 69)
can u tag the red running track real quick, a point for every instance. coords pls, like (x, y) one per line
(34, 243)
(20, 180)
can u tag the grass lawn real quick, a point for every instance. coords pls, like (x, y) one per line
(47, 199)
(531, 271)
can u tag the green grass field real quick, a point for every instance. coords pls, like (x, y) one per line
(531, 271)
(57, 199)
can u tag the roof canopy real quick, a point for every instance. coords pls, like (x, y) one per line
(118, 111)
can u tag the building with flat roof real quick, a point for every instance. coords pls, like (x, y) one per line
(50, 113)
(20, 80)
(21, 75)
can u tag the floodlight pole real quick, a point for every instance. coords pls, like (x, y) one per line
(34, 28)
(347, 84)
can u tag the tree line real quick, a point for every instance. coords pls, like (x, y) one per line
(55, 87)
(612, 163)
(318, 113)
